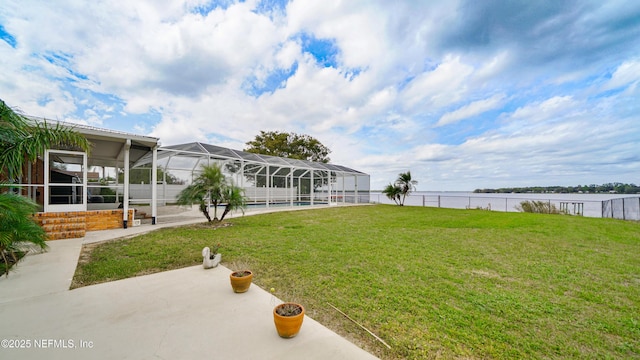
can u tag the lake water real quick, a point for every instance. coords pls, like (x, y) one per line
(587, 204)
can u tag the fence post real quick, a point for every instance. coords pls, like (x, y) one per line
(506, 204)
(438, 200)
(623, 210)
(423, 201)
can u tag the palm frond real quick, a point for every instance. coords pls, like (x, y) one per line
(212, 186)
(23, 140)
(17, 225)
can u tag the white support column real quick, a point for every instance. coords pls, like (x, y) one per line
(46, 181)
(85, 192)
(164, 185)
(115, 166)
(268, 187)
(355, 189)
(291, 194)
(300, 185)
(344, 192)
(242, 174)
(329, 186)
(154, 185)
(311, 192)
(125, 199)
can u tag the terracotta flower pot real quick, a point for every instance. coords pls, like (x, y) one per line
(241, 284)
(288, 326)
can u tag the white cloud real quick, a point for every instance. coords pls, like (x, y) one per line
(494, 66)
(438, 88)
(553, 108)
(471, 109)
(402, 67)
(628, 73)
(357, 28)
(433, 152)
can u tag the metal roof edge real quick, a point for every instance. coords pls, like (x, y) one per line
(303, 164)
(93, 130)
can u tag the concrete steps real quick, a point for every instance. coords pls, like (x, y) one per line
(75, 224)
(63, 225)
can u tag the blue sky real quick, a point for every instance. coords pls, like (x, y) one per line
(464, 94)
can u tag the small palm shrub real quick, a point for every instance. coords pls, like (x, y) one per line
(210, 189)
(18, 229)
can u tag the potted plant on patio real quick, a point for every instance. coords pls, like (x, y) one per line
(211, 257)
(241, 280)
(288, 319)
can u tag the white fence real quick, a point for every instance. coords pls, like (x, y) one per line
(590, 205)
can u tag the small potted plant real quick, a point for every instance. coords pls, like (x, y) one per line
(241, 280)
(288, 319)
(211, 257)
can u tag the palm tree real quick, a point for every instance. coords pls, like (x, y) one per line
(22, 141)
(207, 187)
(393, 192)
(399, 190)
(17, 228)
(211, 188)
(406, 184)
(234, 199)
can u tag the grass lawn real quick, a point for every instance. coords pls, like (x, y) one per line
(433, 283)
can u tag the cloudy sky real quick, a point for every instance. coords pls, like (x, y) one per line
(464, 94)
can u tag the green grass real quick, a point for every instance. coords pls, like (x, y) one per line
(433, 283)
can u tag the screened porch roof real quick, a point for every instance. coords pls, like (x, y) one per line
(107, 146)
(197, 149)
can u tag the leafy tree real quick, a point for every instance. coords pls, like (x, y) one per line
(618, 188)
(21, 141)
(289, 145)
(211, 187)
(399, 190)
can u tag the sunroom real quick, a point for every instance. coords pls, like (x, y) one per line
(78, 191)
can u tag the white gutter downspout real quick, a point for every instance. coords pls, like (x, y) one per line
(154, 185)
(125, 199)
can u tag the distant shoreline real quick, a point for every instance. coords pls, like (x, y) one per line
(515, 195)
(593, 204)
(610, 188)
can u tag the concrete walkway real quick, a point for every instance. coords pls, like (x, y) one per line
(188, 313)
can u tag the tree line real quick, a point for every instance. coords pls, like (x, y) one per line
(617, 188)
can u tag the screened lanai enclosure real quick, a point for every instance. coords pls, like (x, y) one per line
(128, 179)
(268, 181)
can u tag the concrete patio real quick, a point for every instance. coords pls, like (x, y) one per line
(188, 313)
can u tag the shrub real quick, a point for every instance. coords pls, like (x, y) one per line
(540, 207)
